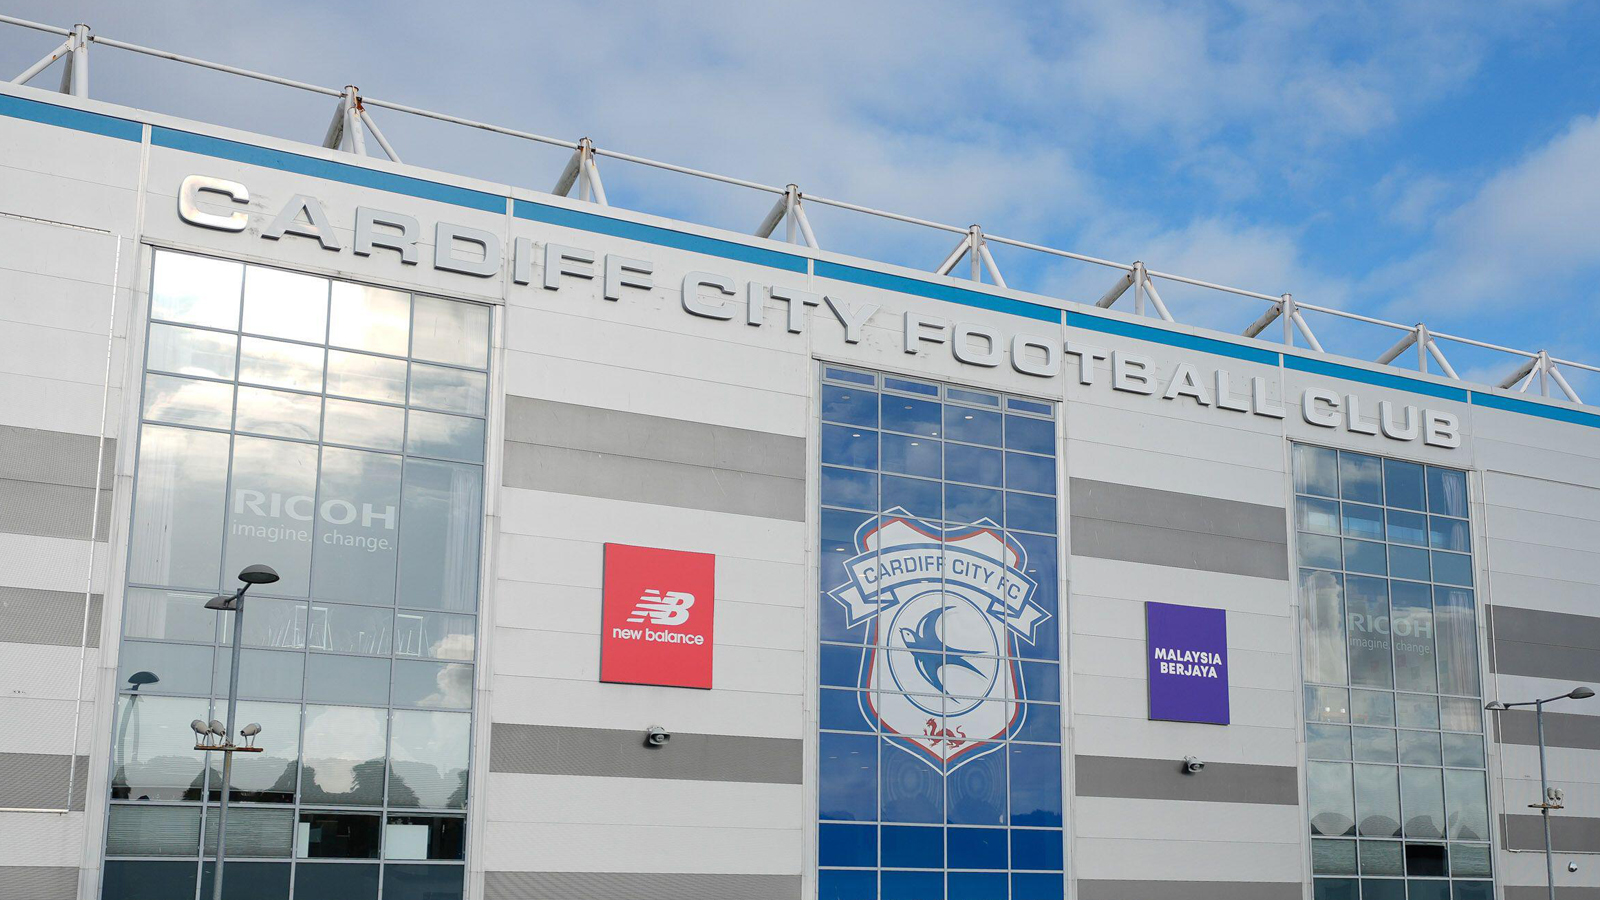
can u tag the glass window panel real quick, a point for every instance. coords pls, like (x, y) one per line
(1327, 741)
(441, 511)
(1452, 568)
(850, 375)
(1326, 704)
(263, 674)
(347, 679)
(1030, 473)
(1463, 750)
(168, 616)
(422, 882)
(1030, 406)
(1416, 711)
(1383, 889)
(843, 445)
(153, 755)
(253, 831)
(270, 516)
(911, 456)
(1402, 484)
(1448, 534)
(268, 622)
(344, 753)
(434, 685)
(848, 776)
(1333, 857)
(974, 465)
(196, 290)
(153, 831)
(1419, 748)
(366, 377)
(1372, 707)
(148, 880)
(1332, 800)
(1336, 889)
(424, 837)
(248, 880)
(457, 390)
(1455, 619)
(449, 331)
(1378, 803)
(1322, 626)
(1367, 614)
(974, 426)
(1316, 515)
(268, 776)
(329, 835)
(277, 364)
(965, 396)
(335, 881)
(163, 668)
(1470, 860)
(910, 415)
(357, 537)
(279, 413)
(1029, 513)
(1447, 492)
(435, 635)
(851, 406)
(845, 487)
(365, 425)
(1320, 551)
(1382, 858)
(1468, 804)
(970, 504)
(191, 351)
(1030, 435)
(916, 496)
(436, 434)
(1428, 860)
(351, 629)
(1422, 797)
(1413, 637)
(285, 304)
(1456, 714)
(1362, 521)
(1408, 562)
(1408, 527)
(911, 387)
(428, 759)
(1366, 557)
(1472, 890)
(1360, 477)
(184, 401)
(369, 318)
(1316, 471)
(1374, 744)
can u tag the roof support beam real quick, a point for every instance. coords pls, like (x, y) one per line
(74, 72)
(976, 250)
(791, 211)
(582, 173)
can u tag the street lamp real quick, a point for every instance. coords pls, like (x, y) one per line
(1550, 799)
(221, 732)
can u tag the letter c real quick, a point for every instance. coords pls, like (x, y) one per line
(189, 207)
(1315, 415)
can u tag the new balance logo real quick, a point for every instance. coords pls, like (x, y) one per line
(658, 609)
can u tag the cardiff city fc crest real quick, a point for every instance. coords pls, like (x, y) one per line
(943, 609)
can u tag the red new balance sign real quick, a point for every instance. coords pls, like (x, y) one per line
(656, 627)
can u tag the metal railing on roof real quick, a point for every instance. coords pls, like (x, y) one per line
(1535, 370)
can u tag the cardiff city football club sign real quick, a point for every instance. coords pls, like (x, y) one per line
(943, 608)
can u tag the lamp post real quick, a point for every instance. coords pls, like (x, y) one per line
(1548, 802)
(234, 603)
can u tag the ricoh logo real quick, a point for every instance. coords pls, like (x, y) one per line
(336, 511)
(667, 609)
(1373, 633)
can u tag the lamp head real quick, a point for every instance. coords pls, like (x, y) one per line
(223, 602)
(258, 574)
(217, 728)
(1581, 693)
(140, 679)
(1494, 706)
(199, 727)
(251, 730)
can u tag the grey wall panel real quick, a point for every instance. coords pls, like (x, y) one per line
(1542, 660)
(54, 457)
(592, 474)
(51, 510)
(1543, 893)
(29, 616)
(1168, 528)
(1517, 726)
(1180, 549)
(1545, 644)
(38, 883)
(1164, 779)
(1188, 890)
(1568, 833)
(1171, 509)
(560, 750)
(636, 886)
(39, 780)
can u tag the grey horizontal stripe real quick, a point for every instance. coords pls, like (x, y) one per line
(1164, 779)
(1543, 644)
(1517, 726)
(39, 780)
(663, 483)
(1189, 890)
(29, 616)
(54, 457)
(560, 750)
(51, 510)
(1542, 893)
(38, 883)
(1568, 833)
(636, 886)
(618, 433)
(1546, 661)
(1158, 546)
(1171, 509)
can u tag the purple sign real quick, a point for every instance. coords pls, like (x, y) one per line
(1187, 654)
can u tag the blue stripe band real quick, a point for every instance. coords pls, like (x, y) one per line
(1381, 379)
(934, 290)
(652, 234)
(66, 117)
(1108, 325)
(1557, 413)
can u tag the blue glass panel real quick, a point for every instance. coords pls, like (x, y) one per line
(1036, 849)
(1041, 681)
(915, 496)
(841, 666)
(1030, 513)
(1408, 562)
(1039, 722)
(1383, 888)
(977, 848)
(261, 881)
(846, 446)
(971, 504)
(1452, 568)
(913, 791)
(1448, 534)
(910, 387)
(838, 530)
(1408, 527)
(976, 465)
(1035, 785)
(838, 374)
(836, 885)
(1040, 564)
(1473, 890)
(129, 880)
(1365, 556)
(841, 711)
(1362, 521)
(848, 776)
(402, 882)
(847, 845)
(911, 416)
(1043, 409)
(1038, 886)
(1031, 473)
(911, 455)
(913, 885)
(334, 881)
(846, 487)
(975, 426)
(913, 847)
(1032, 435)
(1447, 492)
(973, 397)
(1417, 889)
(851, 406)
(977, 789)
(1402, 484)
(977, 886)
(1336, 889)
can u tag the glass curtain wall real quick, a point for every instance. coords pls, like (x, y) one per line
(1394, 728)
(335, 432)
(939, 757)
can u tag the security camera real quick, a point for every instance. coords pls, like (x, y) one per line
(1192, 765)
(1572, 867)
(656, 736)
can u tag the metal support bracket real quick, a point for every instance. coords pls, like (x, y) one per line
(1427, 347)
(345, 130)
(1144, 289)
(791, 211)
(976, 250)
(1542, 368)
(75, 72)
(582, 172)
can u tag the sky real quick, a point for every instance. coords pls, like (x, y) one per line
(1416, 160)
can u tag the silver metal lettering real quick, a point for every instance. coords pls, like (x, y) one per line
(797, 301)
(1441, 429)
(1087, 356)
(920, 328)
(623, 272)
(851, 319)
(755, 305)
(1023, 361)
(692, 303)
(1313, 414)
(1129, 372)
(445, 236)
(368, 237)
(961, 345)
(1352, 417)
(189, 206)
(522, 260)
(1406, 431)
(1260, 404)
(316, 224)
(1185, 382)
(1225, 393)
(561, 260)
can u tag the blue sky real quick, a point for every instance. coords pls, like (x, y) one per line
(1414, 160)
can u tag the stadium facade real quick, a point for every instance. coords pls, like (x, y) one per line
(622, 558)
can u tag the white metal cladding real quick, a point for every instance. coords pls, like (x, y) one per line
(351, 122)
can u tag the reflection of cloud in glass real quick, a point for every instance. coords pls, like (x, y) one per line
(453, 687)
(338, 740)
(452, 646)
